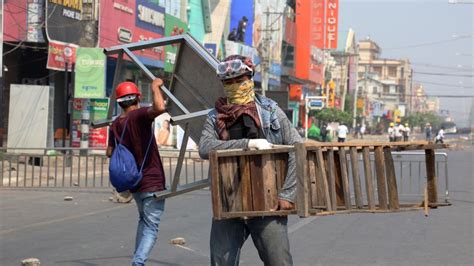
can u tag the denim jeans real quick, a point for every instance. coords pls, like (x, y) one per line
(269, 234)
(149, 210)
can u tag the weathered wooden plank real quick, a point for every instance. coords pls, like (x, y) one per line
(330, 166)
(432, 182)
(380, 172)
(369, 187)
(313, 191)
(257, 214)
(282, 168)
(302, 180)
(340, 200)
(269, 180)
(258, 186)
(247, 152)
(323, 178)
(356, 178)
(230, 180)
(215, 185)
(244, 166)
(345, 179)
(393, 203)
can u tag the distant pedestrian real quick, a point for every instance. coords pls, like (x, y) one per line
(391, 133)
(357, 131)
(133, 130)
(399, 128)
(428, 132)
(342, 131)
(440, 136)
(362, 131)
(406, 132)
(324, 133)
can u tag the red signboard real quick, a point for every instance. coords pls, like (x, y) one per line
(125, 21)
(317, 23)
(331, 25)
(60, 53)
(15, 20)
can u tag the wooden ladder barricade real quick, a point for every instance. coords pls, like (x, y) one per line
(246, 183)
(323, 176)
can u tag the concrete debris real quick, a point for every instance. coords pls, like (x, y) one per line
(50, 177)
(178, 241)
(68, 198)
(12, 169)
(31, 262)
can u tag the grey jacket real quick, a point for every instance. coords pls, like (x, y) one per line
(277, 130)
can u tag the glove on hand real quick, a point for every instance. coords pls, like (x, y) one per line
(260, 144)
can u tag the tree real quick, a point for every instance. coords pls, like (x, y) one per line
(419, 119)
(332, 115)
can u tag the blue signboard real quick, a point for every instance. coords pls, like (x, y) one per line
(241, 21)
(150, 16)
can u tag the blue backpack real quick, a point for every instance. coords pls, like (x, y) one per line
(123, 170)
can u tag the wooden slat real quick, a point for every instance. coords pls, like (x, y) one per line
(313, 187)
(282, 166)
(256, 177)
(230, 181)
(215, 188)
(340, 200)
(330, 166)
(302, 194)
(432, 182)
(393, 203)
(257, 214)
(380, 172)
(323, 178)
(269, 180)
(345, 179)
(369, 187)
(244, 166)
(356, 178)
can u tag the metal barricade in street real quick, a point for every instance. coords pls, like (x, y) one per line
(80, 168)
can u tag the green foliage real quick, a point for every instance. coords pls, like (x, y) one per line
(419, 119)
(333, 115)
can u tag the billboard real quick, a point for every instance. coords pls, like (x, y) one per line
(69, 22)
(90, 73)
(98, 111)
(59, 54)
(174, 26)
(14, 20)
(317, 22)
(126, 21)
(242, 19)
(331, 24)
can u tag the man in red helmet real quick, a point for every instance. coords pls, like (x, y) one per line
(135, 123)
(244, 119)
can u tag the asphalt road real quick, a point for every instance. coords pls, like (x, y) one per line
(90, 230)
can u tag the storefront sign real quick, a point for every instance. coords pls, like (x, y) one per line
(64, 22)
(150, 16)
(317, 23)
(90, 73)
(174, 26)
(59, 54)
(331, 25)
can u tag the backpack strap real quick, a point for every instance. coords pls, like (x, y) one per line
(147, 149)
(121, 136)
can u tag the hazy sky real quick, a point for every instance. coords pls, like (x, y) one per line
(435, 36)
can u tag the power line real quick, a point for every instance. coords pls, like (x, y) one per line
(443, 84)
(431, 43)
(443, 67)
(443, 74)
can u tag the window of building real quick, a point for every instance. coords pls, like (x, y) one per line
(375, 90)
(392, 71)
(393, 89)
(377, 69)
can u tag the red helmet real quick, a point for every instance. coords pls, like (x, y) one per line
(126, 88)
(235, 66)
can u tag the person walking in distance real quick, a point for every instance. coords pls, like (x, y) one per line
(135, 125)
(440, 136)
(243, 119)
(362, 131)
(428, 132)
(391, 133)
(342, 131)
(406, 132)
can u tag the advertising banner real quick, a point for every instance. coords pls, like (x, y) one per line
(241, 21)
(317, 24)
(90, 73)
(69, 22)
(60, 53)
(174, 26)
(14, 20)
(35, 20)
(331, 25)
(125, 21)
(98, 110)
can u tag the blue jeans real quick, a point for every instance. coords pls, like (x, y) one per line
(269, 234)
(149, 210)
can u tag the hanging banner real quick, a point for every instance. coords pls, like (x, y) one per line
(35, 21)
(331, 25)
(174, 26)
(90, 73)
(317, 24)
(60, 53)
(98, 136)
(71, 22)
(14, 20)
